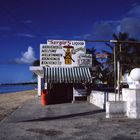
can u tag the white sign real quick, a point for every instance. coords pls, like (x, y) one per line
(85, 60)
(50, 55)
(59, 53)
(66, 43)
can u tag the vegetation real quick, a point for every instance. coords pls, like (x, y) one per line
(96, 70)
(126, 53)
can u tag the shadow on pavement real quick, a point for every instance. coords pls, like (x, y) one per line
(64, 116)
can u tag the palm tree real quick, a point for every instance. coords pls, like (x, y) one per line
(121, 51)
(96, 66)
(132, 56)
(127, 54)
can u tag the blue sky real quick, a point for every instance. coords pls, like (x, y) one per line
(25, 24)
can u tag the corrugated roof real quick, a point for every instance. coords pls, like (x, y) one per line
(67, 75)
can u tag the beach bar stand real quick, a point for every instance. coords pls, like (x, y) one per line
(62, 81)
(63, 64)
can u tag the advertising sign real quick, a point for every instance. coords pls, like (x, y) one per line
(101, 55)
(85, 60)
(61, 53)
(66, 43)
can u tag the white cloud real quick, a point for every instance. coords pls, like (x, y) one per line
(54, 36)
(85, 36)
(131, 25)
(27, 57)
(131, 22)
(118, 28)
(26, 35)
(135, 11)
(103, 30)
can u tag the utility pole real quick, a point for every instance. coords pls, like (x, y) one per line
(118, 70)
(115, 83)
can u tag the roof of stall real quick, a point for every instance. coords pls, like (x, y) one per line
(64, 74)
(37, 70)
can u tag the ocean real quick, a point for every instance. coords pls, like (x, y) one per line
(15, 88)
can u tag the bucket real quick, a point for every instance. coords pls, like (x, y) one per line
(44, 97)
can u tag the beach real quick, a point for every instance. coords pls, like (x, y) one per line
(12, 101)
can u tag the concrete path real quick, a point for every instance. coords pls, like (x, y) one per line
(78, 121)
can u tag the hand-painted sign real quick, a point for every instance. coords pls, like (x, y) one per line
(68, 55)
(50, 55)
(66, 43)
(85, 60)
(61, 53)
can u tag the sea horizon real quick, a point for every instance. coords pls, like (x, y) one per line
(4, 89)
(17, 83)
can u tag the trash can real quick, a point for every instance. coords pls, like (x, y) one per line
(44, 97)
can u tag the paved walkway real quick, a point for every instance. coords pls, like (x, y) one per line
(78, 121)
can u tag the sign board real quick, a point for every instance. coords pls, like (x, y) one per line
(50, 55)
(101, 55)
(67, 43)
(61, 53)
(85, 60)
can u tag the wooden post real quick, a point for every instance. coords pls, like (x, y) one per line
(39, 85)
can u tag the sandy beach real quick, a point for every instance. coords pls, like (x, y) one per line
(11, 101)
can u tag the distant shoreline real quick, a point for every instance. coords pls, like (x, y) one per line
(23, 83)
(10, 88)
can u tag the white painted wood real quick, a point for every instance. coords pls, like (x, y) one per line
(39, 85)
(37, 70)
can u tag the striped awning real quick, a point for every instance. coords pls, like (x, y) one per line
(67, 75)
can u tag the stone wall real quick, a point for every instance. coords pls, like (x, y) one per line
(115, 109)
(128, 105)
(132, 98)
(99, 98)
